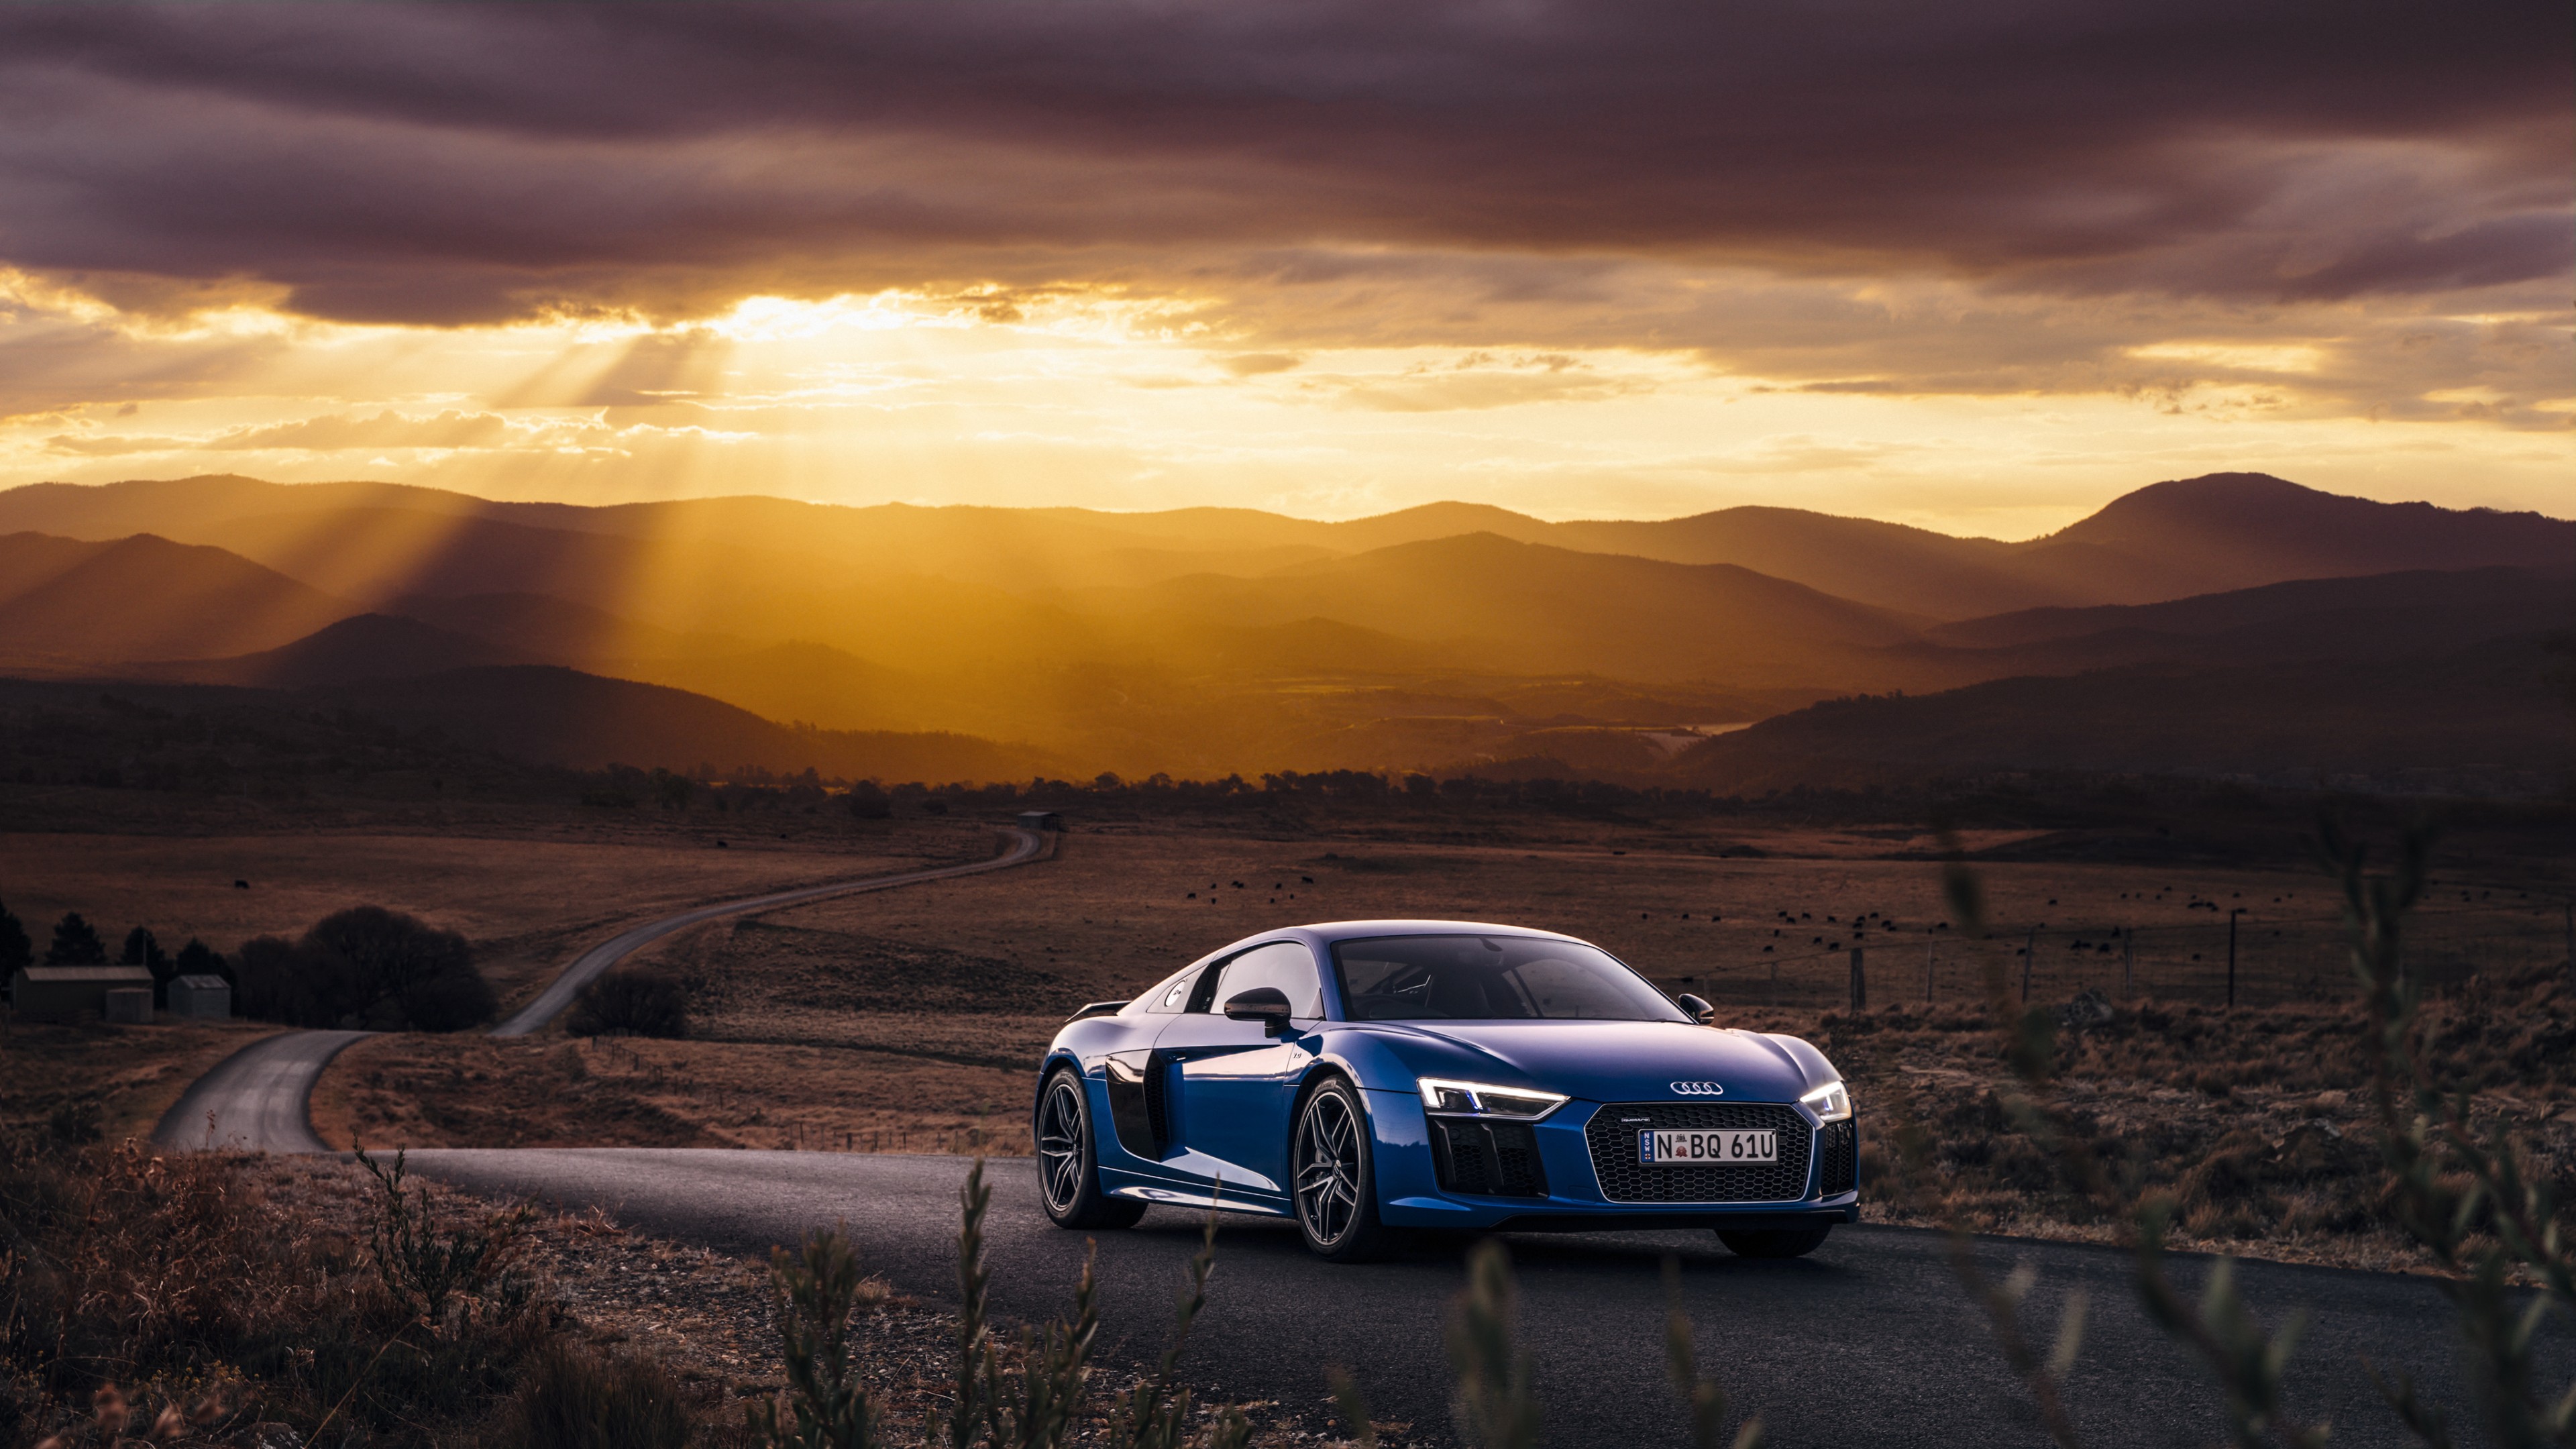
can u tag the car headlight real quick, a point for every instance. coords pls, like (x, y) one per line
(1830, 1102)
(1484, 1099)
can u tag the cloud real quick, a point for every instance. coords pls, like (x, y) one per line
(450, 429)
(447, 164)
(340, 432)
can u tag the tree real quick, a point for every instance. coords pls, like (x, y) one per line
(199, 959)
(365, 966)
(868, 802)
(271, 984)
(76, 943)
(15, 949)
(399, 969)
(673, 790)
(141, 949)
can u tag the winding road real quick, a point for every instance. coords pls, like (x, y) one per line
(1868, 1342)
(260, 1098)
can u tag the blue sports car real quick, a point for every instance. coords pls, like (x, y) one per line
(1365, 1077)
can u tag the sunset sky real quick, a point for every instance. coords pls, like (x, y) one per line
(1978, 266)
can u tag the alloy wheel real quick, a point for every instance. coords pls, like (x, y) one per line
(1328, 1167)
(1060, 1155)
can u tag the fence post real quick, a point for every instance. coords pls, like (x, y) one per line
(2231, 954)
(2128, 963)
(2029, 953)
(2570, 908)
(1859, 983)
(1927, 973)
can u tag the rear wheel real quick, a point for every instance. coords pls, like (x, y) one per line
(1335, 1179)
(1068, 1165)
(1789, 1243)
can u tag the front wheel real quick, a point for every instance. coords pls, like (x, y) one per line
(1068, 1167)
(1788, 1243)
(1336, 1181)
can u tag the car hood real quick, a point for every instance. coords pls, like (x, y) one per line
(1610, 1061)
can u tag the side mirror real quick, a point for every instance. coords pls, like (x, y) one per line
(1700, 1010)
(1265, 1004)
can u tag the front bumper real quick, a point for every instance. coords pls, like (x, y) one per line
(1546, 1174)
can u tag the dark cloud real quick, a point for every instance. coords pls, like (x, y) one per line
(461, 163)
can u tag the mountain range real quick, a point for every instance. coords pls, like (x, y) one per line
(882, 640)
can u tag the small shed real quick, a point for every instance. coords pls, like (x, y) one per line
(1041, 820)
(62, 993)
(130, 1005)
(201, 996)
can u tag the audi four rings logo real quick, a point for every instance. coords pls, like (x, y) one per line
(1699, 1089)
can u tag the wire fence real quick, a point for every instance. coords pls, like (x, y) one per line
(2249, 961)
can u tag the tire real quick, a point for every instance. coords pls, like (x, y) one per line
(1068, 1164)
(1333, 1176)
(1782, 1243)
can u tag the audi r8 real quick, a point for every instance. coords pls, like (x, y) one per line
(1368, 1077)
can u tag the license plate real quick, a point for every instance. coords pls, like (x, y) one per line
(1689, 1149)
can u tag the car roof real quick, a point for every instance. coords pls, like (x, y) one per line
(1322, 935)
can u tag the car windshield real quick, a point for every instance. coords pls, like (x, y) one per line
(1489, 978)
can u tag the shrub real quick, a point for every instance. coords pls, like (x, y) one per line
(631, 1003)
(576, 1400)
(867, 802)
(74, 1124)
(826, 1405)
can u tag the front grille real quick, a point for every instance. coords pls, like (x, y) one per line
(1838, 1157)
(1492, 1159)
(1612, 1136)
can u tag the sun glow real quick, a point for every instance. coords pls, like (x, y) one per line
(1116, 398)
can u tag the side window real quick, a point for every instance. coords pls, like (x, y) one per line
(1283, 964)
(1174, 995)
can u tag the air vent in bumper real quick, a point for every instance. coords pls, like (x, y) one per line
(1838, 1157)
(1487, 1158)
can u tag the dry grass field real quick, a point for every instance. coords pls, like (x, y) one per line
(908, 1020)
(1123, 905)
(71, 1081)
(527, 893)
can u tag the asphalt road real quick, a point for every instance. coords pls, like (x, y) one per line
(1868, 1342)
(260, 1097)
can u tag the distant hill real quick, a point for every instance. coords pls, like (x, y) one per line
(548, 715)
(1493, 603)
(1216, 640)
(550, 630)
(2168, 540)
(2435, 606)
(2362, 619)
(2236, 530)
(65, 601)
(363, 646)
(2489, 717)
